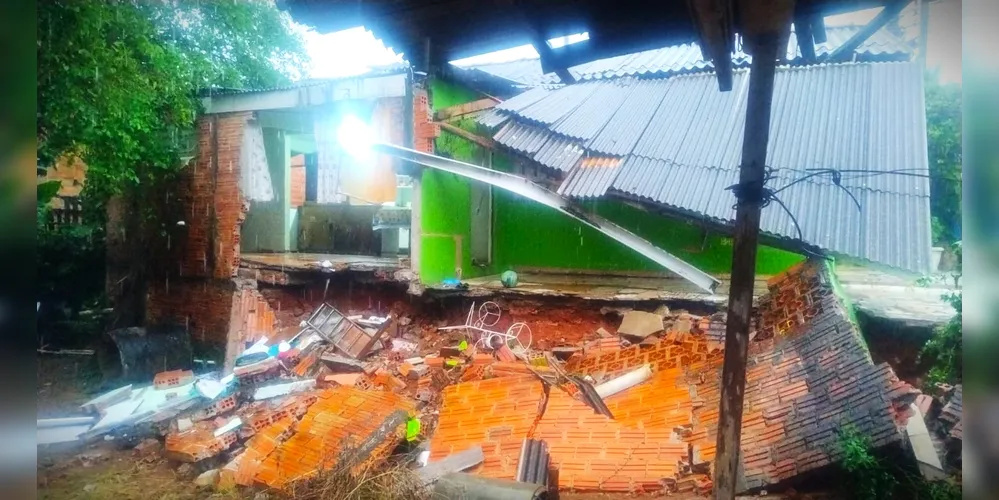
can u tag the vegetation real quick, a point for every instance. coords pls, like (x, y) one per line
(118, 87)
(943, 131)
(945, 348)
(870, 477)
(118, 80)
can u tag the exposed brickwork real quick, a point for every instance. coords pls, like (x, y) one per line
(202, 305)
(214, 207)
(253, 315)
(496, 414)
(198, 443)
(341, 417)
(809, 380)
(424, 130)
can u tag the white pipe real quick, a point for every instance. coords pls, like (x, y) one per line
(624, 382)
(532, 191)
(62, 422)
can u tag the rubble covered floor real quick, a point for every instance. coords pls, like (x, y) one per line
(808, 376)
(314, 262)
(601, 287)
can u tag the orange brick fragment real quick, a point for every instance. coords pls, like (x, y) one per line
(174, 378)
(347, 379)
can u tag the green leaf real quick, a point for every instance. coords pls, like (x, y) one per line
(48, 190)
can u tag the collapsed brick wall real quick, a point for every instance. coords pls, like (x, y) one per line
(191, 272)
(213, 204)
(253, 317)
(202, 305)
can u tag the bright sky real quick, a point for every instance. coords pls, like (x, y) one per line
(346, 53)
(355, 51)
(943, 43)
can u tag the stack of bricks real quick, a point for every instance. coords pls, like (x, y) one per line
(424, 130)
(220, 407)
(662, 356)
(242, 469)
(795, 297)
(496, 414)
(802, 386)
(171, 379)
(198, 443)
(254, 316)
(339, 416)
(261, 415)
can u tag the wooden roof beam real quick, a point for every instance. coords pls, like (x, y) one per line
(845, 52)
(714, 21)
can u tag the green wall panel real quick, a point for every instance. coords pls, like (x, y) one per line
(527, 234)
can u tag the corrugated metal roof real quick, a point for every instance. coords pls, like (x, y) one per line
(626, 125)
(519, 102)
(524, 138)
(558, 104)
(492, 118)
(881, 46)
(593, 113)
(591, 178)
(681, 144)
(559, 153)
(377, 71)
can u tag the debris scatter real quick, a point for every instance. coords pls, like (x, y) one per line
(633, 411)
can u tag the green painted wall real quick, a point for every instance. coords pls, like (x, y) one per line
(527, 234)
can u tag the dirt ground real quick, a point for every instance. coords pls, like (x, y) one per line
(100, 471)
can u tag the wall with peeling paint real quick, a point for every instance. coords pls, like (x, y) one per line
(526, 234)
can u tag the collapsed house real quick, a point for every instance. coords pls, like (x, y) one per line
(809, 376)
(272, 206)
(632, 412)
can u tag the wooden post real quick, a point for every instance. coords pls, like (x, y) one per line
(747, 230)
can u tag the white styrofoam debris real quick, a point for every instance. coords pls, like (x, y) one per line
(272, 391)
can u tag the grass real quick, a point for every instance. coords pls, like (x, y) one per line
(120, 476)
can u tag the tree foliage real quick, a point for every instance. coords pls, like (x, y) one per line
(118, 80)
(870, 477)
(943, 130)
(946, 347)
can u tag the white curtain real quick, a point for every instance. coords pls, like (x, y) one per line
(255, 176)
(328, 160)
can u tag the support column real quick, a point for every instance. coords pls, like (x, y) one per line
(747, 230)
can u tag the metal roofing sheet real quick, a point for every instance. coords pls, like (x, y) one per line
(521, 101)
(554, 106)
(626, 125)
(559, 153)
(524, 138)
(686, 57)
(881, 46)
(593, 113)
(388, 69)
(591, 178)
(855, 116)
(492, 118)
